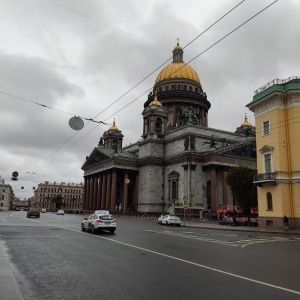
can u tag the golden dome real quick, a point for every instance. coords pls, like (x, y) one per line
(113, 126)
(155, 101)
(177, 70)
(246, 123)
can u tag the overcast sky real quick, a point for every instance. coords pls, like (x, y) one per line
(77, 57)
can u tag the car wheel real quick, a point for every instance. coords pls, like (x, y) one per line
(167, 224)
(178, 225)
(112, 231)
(93, 229)
(82, 227)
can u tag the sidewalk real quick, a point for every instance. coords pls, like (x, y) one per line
(215, 225)
(9, 288)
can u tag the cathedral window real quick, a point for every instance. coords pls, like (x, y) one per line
(158, 125)
(178, 117)
(190, 88)
(172, 87)
(185, 87)
(166, 88)
(196, 90)
(160, 89)
(179, 87)
(174, 190)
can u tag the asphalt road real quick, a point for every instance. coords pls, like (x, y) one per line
(53, 259)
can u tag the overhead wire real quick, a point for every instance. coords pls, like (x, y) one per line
(171, 74)
(159, 67)
(92, 119)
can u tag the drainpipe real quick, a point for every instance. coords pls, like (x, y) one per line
(288, 158)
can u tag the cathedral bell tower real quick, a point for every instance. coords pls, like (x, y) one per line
(155, 120)
(113, 137)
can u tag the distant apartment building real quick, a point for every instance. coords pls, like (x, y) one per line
(6, 196)
(71, 194)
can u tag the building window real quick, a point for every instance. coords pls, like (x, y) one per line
(160, 89)
(196, 90)
(179, 87)
(266, 127)
(166, 88)
(185, 87)
(174, 190)
(158, 125)
(269, 201)
(172, 87)
(268, 163)
(191, 88)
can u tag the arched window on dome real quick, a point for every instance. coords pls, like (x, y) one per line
(166, 88)
(173, 87)
(185, 87)
(179, 87)
(190, 88)
(158, 127)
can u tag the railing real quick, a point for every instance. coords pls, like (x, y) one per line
(273, 82)
(265, 178)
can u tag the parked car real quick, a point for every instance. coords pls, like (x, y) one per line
(171, 220)
(33, 212)
(99, 222)
(44, 210)
(60, 212)
(159, 219)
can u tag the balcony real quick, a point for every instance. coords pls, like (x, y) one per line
(265, 179)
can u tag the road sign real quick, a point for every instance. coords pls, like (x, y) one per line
(185, 202)
(15, 174)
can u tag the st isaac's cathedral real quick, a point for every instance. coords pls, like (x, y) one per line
(179, 157)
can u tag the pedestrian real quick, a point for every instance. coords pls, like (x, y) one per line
(285, 223)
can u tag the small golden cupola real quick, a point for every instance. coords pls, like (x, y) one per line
(113, 137)
(246, 122)
(155, 101)
(113, 126)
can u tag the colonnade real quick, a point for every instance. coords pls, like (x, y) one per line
(110, 190)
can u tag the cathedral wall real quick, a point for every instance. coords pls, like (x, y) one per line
(151, 150)
(150, 195)
(175, 139)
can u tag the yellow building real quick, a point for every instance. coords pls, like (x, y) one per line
(71, 194)
(276, 106)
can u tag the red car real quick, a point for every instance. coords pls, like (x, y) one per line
(33, 212)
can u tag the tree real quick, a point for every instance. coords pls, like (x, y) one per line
(240, 181)
(58, 201)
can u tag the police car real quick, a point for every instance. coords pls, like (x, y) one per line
(99, 221)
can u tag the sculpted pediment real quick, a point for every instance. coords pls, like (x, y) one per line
(242, 150)
(95, 159)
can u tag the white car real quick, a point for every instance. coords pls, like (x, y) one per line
(99, 222)
(159, 219)
(60, 212)
(171, 220)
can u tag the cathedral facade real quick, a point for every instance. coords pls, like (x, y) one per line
(179, 159)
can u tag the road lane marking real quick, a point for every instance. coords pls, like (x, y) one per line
(191, 263)
(3, 220)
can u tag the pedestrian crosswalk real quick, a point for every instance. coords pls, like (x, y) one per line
(227, 239)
